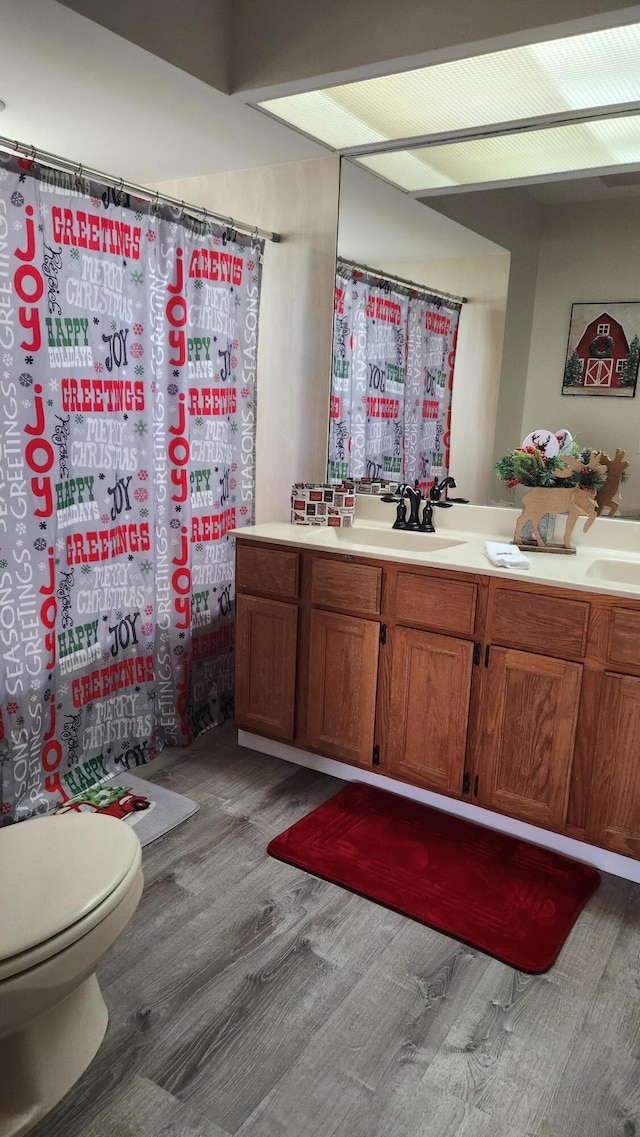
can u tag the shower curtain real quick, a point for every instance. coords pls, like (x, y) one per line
(128, 339)
(393, 360)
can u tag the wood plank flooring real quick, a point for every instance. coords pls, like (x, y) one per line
(248, 999)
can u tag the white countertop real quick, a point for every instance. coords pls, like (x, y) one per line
(613, 548)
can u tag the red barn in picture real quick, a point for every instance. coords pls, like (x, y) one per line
(603, 361)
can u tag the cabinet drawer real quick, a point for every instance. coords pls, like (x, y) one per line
(264, 570)
(547, 624)
(347, 587)
(624, 637)
(430, 602)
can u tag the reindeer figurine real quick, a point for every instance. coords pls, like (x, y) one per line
(576, 501)
(607, 492)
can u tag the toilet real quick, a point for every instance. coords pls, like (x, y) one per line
(69, 884)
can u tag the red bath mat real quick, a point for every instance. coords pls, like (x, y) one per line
(515, 901)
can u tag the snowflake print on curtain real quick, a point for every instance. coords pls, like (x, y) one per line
(128, 340)
(393, 361)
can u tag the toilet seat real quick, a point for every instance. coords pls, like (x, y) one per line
(60, 877)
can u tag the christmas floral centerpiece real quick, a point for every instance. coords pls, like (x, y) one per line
(531, 466)
(560, 477)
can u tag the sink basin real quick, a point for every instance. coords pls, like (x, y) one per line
(391, 539)
(621, 572)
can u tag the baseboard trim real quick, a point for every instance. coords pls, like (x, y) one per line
(602, 859)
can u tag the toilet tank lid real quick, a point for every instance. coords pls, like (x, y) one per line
(55, 870)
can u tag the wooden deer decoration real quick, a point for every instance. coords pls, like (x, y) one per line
(576, 501)
(607, 492)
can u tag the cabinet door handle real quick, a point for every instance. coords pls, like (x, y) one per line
(486, 655)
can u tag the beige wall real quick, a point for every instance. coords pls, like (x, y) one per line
(560, 255)
(589, 252)
(513, 219)
(300, 201)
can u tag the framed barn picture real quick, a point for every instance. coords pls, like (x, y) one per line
(603, 350)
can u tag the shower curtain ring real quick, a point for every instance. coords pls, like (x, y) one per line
(181, 214)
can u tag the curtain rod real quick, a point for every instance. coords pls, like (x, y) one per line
(422, 288)
(144, 192)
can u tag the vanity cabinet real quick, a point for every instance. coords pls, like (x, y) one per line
(615, 814)
(426, 728)
(343, 677)
(266, 640)
(343, 658)
(528, 737)
(517, 697)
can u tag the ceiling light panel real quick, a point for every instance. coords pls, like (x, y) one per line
(512, 157)
(599, 69)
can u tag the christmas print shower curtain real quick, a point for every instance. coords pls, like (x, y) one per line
(128, 338)
(393, 360)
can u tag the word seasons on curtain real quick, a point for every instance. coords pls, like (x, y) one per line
(393, 360)
(128, 339)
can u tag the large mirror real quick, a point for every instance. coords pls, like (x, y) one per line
(522, 257)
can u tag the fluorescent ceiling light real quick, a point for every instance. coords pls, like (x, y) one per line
(594, 145)
(598, 69)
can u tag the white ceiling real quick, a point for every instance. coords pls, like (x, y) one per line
(76, 89)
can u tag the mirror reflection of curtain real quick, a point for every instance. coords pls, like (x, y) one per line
(393, 361)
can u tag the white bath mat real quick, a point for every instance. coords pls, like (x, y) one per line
(153, 810)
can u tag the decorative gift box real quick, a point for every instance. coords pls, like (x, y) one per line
(317, 503)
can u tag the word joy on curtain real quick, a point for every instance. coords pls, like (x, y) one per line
(393, 359)
(128, 339)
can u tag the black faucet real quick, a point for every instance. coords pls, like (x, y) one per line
(438, 488)
(414, 494)
(427, 518)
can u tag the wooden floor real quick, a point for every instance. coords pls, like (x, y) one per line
(249, 999)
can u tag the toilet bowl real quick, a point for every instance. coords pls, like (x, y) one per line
(68, 887)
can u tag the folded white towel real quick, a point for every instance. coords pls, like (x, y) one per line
(505, 556)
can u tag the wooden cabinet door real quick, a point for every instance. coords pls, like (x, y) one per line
(343, 670)
(615, 796)
(530, 714)
(426, 728)
(265, 684)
